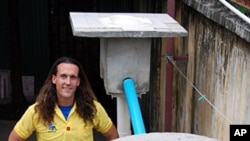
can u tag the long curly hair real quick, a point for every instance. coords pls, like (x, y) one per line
(84, 95)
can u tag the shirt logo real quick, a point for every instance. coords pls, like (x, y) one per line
(51, 127)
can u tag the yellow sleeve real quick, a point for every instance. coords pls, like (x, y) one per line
(25, 126)
(102, 121)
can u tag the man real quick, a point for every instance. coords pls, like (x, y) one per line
(66, 108)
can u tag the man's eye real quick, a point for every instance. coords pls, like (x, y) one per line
(73, 77)
(63, 76)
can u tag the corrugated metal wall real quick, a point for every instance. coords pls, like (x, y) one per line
(4, 51)
(33, 17)
(34, 39)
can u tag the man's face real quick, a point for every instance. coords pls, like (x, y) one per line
(66, 80)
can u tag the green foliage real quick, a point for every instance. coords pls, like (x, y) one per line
(241, 8)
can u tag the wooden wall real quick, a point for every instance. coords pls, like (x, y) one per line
(218, 67)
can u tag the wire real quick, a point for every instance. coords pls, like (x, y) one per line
(203, 97)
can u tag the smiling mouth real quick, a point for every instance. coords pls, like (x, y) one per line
(67, 89)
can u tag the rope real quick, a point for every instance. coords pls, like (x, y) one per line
(202, 96)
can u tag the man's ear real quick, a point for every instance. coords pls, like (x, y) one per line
(79, 81)
(53, 79)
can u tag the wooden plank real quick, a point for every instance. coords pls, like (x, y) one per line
(190, 76)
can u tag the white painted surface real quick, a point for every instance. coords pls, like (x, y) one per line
(123, 118)
(166, 137)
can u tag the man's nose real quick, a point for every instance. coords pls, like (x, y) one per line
(67, 80)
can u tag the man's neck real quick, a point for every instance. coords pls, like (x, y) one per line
(65, 102)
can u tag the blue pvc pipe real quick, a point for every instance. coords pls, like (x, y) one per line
(133, 106)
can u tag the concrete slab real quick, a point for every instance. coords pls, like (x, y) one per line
(163, 136)
(136, 25)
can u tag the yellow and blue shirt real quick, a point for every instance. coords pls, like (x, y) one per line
(72, 129)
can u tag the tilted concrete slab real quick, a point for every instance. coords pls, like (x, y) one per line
(137, 25)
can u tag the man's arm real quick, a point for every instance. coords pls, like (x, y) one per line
(111, 134)
(14, 136)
